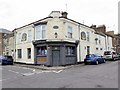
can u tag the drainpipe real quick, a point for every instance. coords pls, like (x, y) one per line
(15, 44)
(35, 57)
(2, 43)
(79, 42)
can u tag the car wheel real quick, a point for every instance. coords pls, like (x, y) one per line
(85, 63)
(97, 62)
(104, 61)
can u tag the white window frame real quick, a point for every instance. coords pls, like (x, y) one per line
(70, 32)
(88, 36)
(19, 38)
(40, 32)
(19, 53)
(29, 35)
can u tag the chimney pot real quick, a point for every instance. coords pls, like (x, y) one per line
(64, 14)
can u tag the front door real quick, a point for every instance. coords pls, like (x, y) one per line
(56, 57)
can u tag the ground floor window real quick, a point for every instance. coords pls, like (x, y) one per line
(29, 53)
(70, 50)
(19, 53)
(42, 50)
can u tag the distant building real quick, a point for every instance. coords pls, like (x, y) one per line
(3, 32)
(108, 42)
(117, 43)
(9, 44)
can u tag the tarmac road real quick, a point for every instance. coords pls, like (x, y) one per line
(84, 76)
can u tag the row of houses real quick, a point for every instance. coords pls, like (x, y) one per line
(56, 40)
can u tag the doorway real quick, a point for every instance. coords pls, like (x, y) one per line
(56, 56)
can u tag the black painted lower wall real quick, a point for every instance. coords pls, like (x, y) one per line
(55, 53)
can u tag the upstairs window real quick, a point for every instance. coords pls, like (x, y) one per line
(19, 38)
(70, 32)
(83, 36)
(24, 37)
(88, 36)
(29, 35)
(40, 31)
(43, 30)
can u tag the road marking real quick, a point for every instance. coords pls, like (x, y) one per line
(24, 67)
(28, 74)
(57, 71)
(15, 72)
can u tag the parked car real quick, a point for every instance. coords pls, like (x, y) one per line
(109, 55)
(94, 58)
(6, 60)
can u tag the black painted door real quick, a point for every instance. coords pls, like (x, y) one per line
(56, 57)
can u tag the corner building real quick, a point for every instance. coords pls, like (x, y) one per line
(53, 41)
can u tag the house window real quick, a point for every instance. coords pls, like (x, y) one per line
(24, 37)
(43, 31)
(69, 32)
(19, 53)
(83, 36)
(29, 35)
(70, 50)
(29, 53)
(96, 41)
(19, 37)
(42, 50)
(99, 40)
(88, 36)
(40, 31)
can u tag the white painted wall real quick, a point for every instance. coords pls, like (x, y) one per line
(24, 45)
(85, 43)
(101, 45)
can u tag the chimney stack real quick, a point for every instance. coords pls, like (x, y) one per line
(64, 14)
(93, 26)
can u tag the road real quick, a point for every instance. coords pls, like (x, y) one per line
(83, 76)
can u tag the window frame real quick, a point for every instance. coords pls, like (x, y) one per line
(29, 53)
(42, 51)
(83, 35)
(40, 31)
(70, 32)
(88, 36)
(70, 50)
(19, 53)
(29, 35)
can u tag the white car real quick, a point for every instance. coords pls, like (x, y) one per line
(109, 55)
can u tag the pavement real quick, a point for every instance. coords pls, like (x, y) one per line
(43, 67)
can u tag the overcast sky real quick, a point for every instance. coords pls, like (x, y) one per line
(16, 13)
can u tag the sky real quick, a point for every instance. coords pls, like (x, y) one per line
(16, 13)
